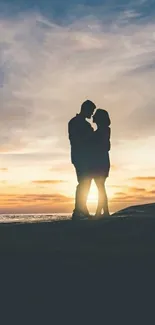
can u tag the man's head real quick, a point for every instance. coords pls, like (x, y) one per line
(88, 108)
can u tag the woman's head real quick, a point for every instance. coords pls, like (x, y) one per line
(101, 118)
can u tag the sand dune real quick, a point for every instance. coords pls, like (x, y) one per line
(137, 210)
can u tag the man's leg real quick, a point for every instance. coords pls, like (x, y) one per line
(84, 182)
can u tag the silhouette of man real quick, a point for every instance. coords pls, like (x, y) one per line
(80, 134)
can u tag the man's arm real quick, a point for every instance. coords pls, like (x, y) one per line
(72, 132)
(79, 134)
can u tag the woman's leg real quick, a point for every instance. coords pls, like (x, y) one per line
(102, 196)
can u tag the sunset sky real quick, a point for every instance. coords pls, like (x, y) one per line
(54, 54)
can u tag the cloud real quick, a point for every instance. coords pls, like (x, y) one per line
(50, 65)
(134, 194)
(143, 118)
(34, 203)
(131, 196)
(36, 197)
(53, 181)
(144, 178)
(137, 190)
(40, 60)
(4, 169)
(62, 168)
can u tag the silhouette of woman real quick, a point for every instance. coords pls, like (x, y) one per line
(101, 161)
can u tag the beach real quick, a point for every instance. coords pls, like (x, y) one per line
(52, 269)
(130, 231)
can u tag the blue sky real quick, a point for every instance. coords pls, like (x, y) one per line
(53, 56)
(62, 10)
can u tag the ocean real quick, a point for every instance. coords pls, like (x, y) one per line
(32, 218)
(35, 217)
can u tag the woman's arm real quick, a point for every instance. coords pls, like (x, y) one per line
(107, 143)
(109, 135)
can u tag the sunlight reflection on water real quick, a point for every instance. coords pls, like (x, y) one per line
(29, 218)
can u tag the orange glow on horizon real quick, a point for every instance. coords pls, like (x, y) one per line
(40, 189)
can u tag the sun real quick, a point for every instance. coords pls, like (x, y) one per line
(93, 194)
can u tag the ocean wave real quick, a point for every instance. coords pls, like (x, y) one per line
(32, 218)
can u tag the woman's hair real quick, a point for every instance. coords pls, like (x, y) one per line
(102, 117)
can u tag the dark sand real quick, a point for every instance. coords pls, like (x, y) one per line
(128, 232)
(49, 269)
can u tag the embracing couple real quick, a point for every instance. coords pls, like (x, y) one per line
(90, 157)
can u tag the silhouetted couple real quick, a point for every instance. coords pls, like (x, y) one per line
(90, 156)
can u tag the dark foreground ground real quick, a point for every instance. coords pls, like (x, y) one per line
(52, 271)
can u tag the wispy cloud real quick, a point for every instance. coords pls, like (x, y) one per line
(144, 178)
(134, 194)
(48, 182)
(137, 190)
(48, 68)
(40, 60)
(35, 203)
